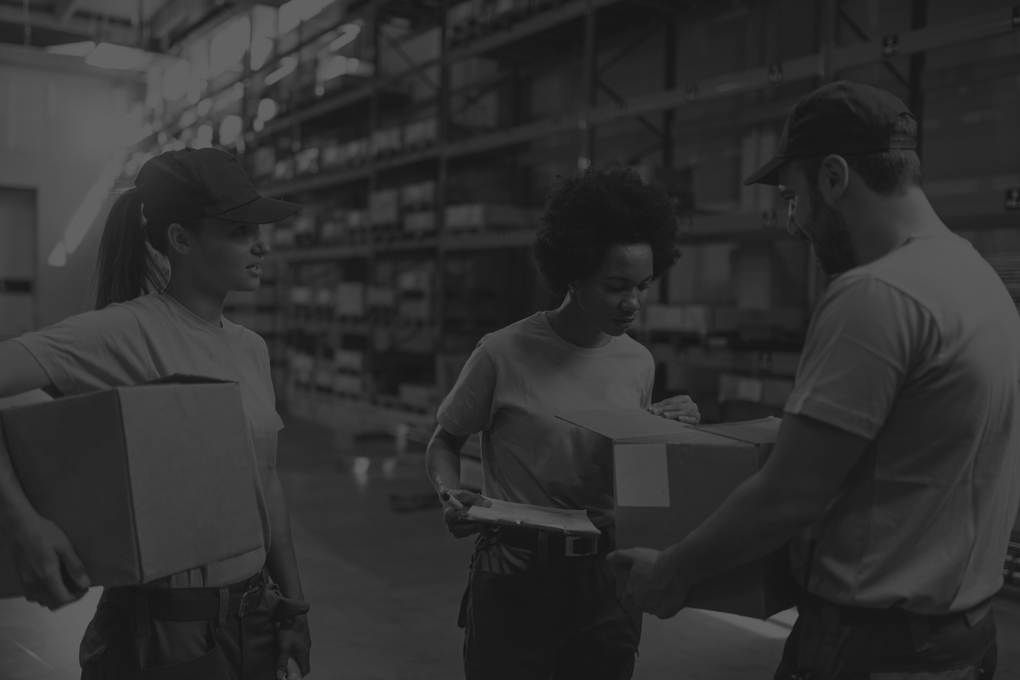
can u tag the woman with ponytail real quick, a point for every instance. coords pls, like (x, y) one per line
(173, 246)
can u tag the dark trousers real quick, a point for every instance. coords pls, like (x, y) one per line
(539, 616)
(120, 646)
(830, 642)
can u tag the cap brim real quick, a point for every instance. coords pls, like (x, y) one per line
(767, 174)
(261, 211)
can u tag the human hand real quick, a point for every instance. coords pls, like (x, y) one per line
(680, 408)
(456, 504)
(50, 571)
(293, 647)
(652, 582)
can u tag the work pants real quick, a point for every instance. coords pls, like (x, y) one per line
(533, 616)
(830, 642)
(130, 643)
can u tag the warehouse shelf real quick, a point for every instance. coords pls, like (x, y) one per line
(512, 32)
(988, 24)
(481, 240)
(696, 106)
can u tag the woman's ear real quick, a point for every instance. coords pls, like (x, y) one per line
(178, 239)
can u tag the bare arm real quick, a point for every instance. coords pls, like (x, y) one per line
(293, 638)
(442, 460)
(39, 547)
(808, 465)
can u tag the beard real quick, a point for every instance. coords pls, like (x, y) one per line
(832, 243)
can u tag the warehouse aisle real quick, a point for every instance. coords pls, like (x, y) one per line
(385, 585)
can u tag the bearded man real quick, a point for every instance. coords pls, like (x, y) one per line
(896, 475)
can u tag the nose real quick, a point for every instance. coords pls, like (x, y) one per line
(262, 246)
(631, 303)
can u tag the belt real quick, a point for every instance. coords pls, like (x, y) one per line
(895, 615)
(559, 545)
(189, 604)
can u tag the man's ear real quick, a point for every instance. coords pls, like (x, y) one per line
(178, 239)
(833, 177)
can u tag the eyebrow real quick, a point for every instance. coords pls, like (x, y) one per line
(625, 279)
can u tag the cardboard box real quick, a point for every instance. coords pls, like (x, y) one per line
(670, 478)
(146, 481)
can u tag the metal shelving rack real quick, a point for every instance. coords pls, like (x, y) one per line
(585, 25)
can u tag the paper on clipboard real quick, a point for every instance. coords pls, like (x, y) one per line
(533, 517)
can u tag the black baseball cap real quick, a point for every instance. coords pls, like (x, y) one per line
(838, 118)
(189, 184)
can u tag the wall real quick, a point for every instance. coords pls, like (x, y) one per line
(58, 128)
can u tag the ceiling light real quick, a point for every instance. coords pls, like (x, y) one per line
(117, 56)
(75, 49)
(267, 109)
(203, 107)
(348, 33)
(287, 66)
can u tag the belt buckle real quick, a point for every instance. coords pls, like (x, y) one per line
(247, 605)
(582, 546)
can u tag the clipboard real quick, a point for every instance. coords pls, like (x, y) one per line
(571, 522)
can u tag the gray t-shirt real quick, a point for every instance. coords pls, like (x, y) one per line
(512, 388)
(918, 352)
(154, 336)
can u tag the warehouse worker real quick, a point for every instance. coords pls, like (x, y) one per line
(194, 216)
(896, 472)
(539, 605)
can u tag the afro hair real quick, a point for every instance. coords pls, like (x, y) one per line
(588, 213)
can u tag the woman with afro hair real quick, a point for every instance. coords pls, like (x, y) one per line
(539, 605)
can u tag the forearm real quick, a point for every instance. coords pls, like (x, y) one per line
(281, 560)
(13, 502)
(754, 521)
(443, 464)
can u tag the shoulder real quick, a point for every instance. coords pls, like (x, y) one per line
(510, 338)
(247, 337)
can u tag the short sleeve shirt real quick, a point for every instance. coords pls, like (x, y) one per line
(512, 388)
(918, 352)
(154, 336)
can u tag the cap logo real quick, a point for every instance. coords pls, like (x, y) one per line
(775, 74)
(902, 142)
(890, 46)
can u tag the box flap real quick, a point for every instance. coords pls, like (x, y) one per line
(762, 431)
(184, 379)
(620, 424)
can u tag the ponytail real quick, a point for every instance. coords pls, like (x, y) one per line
(125, 265)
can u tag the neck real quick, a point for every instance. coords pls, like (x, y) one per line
(572, 324)
(884, 223)
(206, 306)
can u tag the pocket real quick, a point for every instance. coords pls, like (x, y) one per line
(209, 666)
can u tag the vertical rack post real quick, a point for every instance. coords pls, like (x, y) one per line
(590, 73)
(668, 116)
(918, 19)
(442, 179)
(368, 359)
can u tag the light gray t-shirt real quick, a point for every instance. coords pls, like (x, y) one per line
(512, 388)
(919, 352)
(152, 337)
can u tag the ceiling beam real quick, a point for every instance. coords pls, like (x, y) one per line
(65, 9)
(87, 30)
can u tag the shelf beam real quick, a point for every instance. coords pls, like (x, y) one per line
(686, 98)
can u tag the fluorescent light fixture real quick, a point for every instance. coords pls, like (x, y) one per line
(231, 96)
(117, 57)
(348, 32)
(287, 66)
(258, 125)
(75, 49)
(203, 107)
(58, 258)
(188, 118)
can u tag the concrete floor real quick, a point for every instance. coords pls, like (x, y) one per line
(385, 586)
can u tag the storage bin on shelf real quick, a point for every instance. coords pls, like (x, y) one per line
(420, 133)
(479, 216)
(350, 299)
